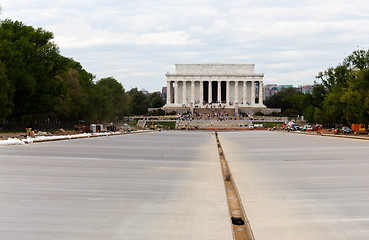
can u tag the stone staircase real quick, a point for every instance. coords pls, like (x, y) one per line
(213, 124)
(215, 113)
(214, 118)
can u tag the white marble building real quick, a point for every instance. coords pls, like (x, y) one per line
(225, 85)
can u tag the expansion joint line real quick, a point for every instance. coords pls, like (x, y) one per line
(240, 224)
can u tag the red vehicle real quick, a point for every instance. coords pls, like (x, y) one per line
(358, 128)
(317, 127)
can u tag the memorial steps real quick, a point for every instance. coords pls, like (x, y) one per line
(214, 119)
(215, 113)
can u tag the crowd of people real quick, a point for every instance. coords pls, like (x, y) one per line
(217, 114)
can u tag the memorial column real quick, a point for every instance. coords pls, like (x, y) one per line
(260, 92)
(184, 90)
(236, 92)
(227, 93)
(210, 91)
(201, 92)
(193, 92)
(252, 92)
(169, 100)
(244, 99)
(219, 91)
(175, 92)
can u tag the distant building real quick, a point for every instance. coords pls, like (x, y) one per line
(164, 93)
(272, 89)
(267, 90)
(305, 88)
(144, 91)
(281, 87)
(164, 90)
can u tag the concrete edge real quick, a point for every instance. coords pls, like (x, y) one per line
(330, 135)
(68, 137)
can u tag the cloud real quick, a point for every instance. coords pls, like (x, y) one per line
(103, 38)
(166, 38)
(137, 41)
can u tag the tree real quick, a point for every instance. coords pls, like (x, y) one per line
(155, 99)
(319, 116)
(355, 97)
(309, 113)
(6, 94)
(77, 103)
(290, 101)
(343, 94)
(32, 63)
(111, 102)
(318, 95)
(358, 59)
(333, 107)
(139, 102)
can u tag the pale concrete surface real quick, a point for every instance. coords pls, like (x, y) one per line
(301, 187)
(165, 185)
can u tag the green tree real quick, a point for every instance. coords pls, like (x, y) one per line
(334, 76)
(112, 101)
(6, 94)
(358, 59)
(355, 97)
(290, 101)
(333, 107)
(139, 102)
(78, 99)
(318, 95)
(319, 116)
(344, 91)
(32, 63)
(309, 113)
(155, 99)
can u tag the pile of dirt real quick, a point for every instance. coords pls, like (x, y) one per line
(20, 135)
(4, 136)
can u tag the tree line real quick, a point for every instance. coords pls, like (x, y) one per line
(341, 96)
(38, 84)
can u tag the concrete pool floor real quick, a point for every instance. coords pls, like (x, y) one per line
(168, 185)
(300, 186)
(144, 186)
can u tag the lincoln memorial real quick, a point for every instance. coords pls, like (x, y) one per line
(214, 85)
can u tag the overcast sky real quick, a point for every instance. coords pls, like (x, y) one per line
(136, 42)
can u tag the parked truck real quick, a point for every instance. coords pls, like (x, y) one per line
(358, 128)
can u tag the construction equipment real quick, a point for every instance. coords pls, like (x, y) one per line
(152, 126)
(358, 128)
(80, 127)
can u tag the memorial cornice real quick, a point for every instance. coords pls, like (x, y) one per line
(213, 75)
